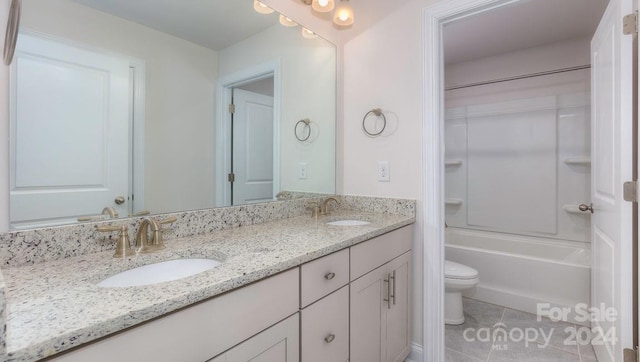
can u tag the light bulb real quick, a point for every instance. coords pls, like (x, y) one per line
(308, 33)
(323, 6)
(287, 22)
(343, 15)
(261, 8)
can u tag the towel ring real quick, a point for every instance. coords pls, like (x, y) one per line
(11, 36)
(378, 113)
(307, 124)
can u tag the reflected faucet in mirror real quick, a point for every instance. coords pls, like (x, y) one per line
(107, 211)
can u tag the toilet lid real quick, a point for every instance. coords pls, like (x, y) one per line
(455, 270)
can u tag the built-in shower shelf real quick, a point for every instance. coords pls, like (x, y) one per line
(453, 202)
(580, 161)
(573, 209)
(453, 163)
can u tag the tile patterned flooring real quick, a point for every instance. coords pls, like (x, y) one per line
(512, 330)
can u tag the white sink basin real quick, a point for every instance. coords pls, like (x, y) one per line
(165, 271)
(348, 223)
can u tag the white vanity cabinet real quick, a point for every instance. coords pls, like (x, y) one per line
(204, 330)
(379, 300)
(349, 306)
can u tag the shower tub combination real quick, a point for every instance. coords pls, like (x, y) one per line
(519, 272)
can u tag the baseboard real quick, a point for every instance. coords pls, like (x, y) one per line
(517, 301)
(416, 353)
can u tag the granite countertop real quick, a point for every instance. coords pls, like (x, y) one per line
(54, 306)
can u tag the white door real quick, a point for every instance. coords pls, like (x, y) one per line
(612, 150)
(69, 132)
(252, 159)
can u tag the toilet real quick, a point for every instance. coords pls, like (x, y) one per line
(457, 278)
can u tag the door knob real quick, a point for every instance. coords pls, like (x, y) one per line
(119, 200)
(585, 207)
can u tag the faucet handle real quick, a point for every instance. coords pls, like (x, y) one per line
(168, 220)
(157, 241)
(123, 247)
(315, 208)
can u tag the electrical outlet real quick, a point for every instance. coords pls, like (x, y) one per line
(383, 171)
(302, 170)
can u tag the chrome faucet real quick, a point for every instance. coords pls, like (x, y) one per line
(325, 205)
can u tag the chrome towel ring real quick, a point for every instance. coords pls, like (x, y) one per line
(11, 36)
(377, 112)
(307, 125)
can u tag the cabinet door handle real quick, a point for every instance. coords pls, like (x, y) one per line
(393, 296)
(329, 276)
(330, 338)
(388, 299)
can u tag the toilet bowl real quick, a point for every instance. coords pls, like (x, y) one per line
(457, 278)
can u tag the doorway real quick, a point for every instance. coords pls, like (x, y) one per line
(248, 136)
(436, 18)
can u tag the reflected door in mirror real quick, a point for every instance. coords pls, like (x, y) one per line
(252, 155)
(69, 132)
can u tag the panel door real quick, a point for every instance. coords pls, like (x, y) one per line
(397, 313)
(611, 230)
(252, 160)
(279, 343)
(69, 132)
(367, 316)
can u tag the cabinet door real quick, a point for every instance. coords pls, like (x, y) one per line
(325, 328)
(398, 315)
(368, 325)
(279, 343)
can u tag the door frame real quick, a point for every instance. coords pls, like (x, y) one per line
(434, 17)
(224, 86)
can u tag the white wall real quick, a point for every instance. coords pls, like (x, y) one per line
(180, 84)
(308, 90)
(382, 68)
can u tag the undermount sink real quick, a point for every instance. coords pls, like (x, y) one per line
(348, 223)
(165, 271)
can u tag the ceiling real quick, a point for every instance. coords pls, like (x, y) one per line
(521, 25)
(214, 24)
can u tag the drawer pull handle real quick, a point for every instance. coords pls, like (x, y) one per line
(329, 276)
(330, 338)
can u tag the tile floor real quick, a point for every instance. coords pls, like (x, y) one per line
(474, 340)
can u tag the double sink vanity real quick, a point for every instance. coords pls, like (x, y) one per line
(268, 280)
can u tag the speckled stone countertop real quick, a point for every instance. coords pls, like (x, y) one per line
(56, 305)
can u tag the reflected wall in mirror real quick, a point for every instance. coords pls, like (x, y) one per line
(121, 107)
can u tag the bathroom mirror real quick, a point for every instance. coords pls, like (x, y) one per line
(125, 107)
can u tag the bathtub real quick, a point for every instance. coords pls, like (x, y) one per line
(519, 272)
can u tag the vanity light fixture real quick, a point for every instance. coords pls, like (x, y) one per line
(306, 33)
(323, 6)
(261, 8)
(287, 22)
(343, 16)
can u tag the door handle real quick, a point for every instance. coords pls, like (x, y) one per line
(585, 207)
(119, 200)
(393, 296)
(388, 299)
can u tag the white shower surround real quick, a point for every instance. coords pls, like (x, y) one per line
(519, 272)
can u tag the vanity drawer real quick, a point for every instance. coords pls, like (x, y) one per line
(322, 276)
(324, 333)
(375, 252)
